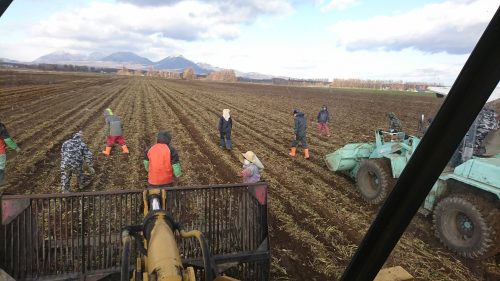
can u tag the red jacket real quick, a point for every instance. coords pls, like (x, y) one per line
(2, 146)
(160, 170)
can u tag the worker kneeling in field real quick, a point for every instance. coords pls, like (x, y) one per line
(74, 153)
(161, 161)
(5, 140)
(252, 167)
(300, 133)
(114, 127)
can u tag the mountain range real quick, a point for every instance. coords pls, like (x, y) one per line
(134, 61)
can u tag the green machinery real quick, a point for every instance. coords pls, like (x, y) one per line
(465, 201)
(374, 166)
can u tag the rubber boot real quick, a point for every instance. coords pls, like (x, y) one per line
(306, 153)
(107, 151)
(124, 149)
(292, 151)
(2, 177)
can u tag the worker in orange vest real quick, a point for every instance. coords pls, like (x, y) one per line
(161, 161)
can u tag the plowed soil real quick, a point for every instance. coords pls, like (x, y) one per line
(317, 218)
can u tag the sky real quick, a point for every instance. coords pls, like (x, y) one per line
(418, 40)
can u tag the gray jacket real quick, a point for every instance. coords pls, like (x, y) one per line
(114, 125)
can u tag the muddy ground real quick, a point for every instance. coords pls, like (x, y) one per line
(317, 218)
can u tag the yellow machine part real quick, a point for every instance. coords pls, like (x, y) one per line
(163, 261)
(163, 255)
(189, 274)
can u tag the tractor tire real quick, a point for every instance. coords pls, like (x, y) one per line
(468, 225)
(374, 180)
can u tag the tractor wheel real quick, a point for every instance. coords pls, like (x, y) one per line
(468, 225)
(374, 180)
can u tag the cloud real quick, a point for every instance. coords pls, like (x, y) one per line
(143, 26)
(184, 21)
(452, 26)
(251, 7)
(150, 2)
(336, 4)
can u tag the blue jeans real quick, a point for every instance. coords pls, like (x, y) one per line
(225, 140)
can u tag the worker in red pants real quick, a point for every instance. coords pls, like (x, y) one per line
(114, 127)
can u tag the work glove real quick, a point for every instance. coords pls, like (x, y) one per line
(177, 170)
(18, 149)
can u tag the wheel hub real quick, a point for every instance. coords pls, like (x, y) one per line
(465, 225)
(374, 179)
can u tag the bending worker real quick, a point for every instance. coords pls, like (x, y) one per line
(161, 161)
(74, 153)
(114, 128)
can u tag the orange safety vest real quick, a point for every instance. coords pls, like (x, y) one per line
(160, 166)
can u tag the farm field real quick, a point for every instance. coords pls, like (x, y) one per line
(317, 218)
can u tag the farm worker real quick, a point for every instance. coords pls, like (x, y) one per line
(114, 127)
(300, 133)
(225, 125)
(161, 161)
(323, 119)
(394, 123)
(252, 167)
(74, 153)
(5, 141)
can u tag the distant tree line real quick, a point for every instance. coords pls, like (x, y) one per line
(381, 84)
(59, 67)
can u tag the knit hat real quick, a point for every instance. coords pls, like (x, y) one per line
(163, 137)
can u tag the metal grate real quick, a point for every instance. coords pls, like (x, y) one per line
(79, 234)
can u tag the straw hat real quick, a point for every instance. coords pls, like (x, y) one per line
(252, 158)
